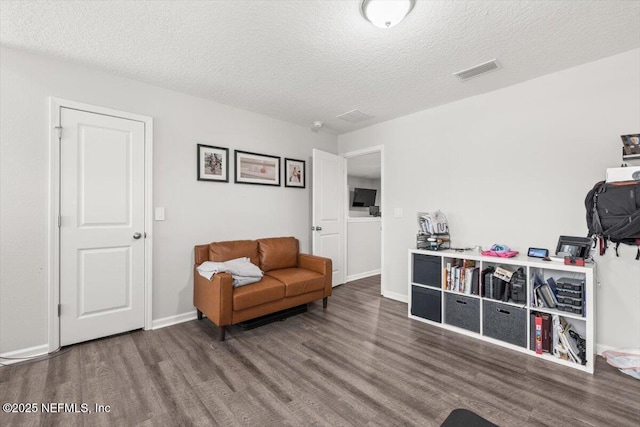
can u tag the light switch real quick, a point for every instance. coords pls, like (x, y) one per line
(398, 213)
(159, 214)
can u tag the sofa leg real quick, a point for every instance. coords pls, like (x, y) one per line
(325, 300)
(221, 332)
(199, 314)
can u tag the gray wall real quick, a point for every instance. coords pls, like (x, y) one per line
(513, 166)
(197, 212)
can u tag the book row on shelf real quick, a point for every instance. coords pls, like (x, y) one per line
(500, 283)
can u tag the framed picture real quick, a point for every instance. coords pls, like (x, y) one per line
(631, 145)
(577, 247)
(213, 163)
(253, 168)
(294, 173)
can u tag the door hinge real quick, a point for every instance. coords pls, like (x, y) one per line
(59, 221)
(59, 309)
(59, 130)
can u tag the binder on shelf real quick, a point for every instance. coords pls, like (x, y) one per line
(547, 339)
(538, 330)
(546, 335)
(547, 295)
(475, 282)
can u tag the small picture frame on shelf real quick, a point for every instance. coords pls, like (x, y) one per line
(213, 163)
(294, 171)
(631, 146)
(254, 168)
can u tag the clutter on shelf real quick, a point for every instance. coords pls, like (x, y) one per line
(500, 250)
(433, 231)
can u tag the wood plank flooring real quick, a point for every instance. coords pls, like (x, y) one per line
(361, 362)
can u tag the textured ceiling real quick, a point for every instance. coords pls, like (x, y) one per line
(313, 60)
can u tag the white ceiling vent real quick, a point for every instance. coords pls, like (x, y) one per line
(354, 116)
(485, 67)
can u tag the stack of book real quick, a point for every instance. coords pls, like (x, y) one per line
(545, 333)
(462, 277)
(544, 296)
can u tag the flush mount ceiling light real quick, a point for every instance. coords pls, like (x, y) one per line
(386, 13)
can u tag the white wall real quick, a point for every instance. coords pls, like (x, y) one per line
(363, 247)
(197, 212)
(514, 166)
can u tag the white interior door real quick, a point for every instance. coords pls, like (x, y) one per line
(101, 225)
(329, 197)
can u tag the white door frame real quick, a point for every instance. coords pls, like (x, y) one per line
(55, 105)
(356, 153)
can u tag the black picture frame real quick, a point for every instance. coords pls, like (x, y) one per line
(256, 168)
(630, 146)
(295, 173)
(213, 163)
(576, 247)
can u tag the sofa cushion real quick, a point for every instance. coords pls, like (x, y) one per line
(277, 253)
(225, 251)
(298, 281)
(266, 290)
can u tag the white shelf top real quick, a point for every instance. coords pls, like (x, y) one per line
(521, 260)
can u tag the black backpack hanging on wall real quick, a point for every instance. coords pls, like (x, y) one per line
(613, 214)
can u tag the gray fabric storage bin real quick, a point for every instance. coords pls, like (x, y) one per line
(462, 311)
(426, 303)
(427, 270)
(504, 322)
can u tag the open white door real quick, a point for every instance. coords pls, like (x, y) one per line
(328, 223)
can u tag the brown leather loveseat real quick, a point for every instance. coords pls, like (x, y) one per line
(290, 279)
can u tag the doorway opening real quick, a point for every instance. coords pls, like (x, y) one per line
(364, 213)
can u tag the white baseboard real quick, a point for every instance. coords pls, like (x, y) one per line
(24, 354)
(396, 296)
(359, 276)
(174, 320)
(601, 348)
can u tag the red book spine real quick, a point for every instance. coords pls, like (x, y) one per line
(538, 335)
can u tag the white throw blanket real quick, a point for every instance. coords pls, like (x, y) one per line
(243, 271)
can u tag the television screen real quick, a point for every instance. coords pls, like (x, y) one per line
(364, 197)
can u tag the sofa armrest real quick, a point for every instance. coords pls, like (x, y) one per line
(214, 297)
(319, 265)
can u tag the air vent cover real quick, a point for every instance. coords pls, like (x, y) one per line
(354, 116)
(483, 68)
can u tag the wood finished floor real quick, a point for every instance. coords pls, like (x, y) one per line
(361, 362)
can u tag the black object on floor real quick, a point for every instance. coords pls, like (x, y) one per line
(465, 418)
(273, 317)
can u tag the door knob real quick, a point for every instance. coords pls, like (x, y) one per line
(137, 236)
(318, 228)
